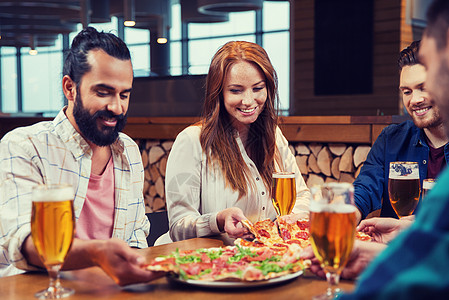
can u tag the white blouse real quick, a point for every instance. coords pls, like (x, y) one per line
(195, 194)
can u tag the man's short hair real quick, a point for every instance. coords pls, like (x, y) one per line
(76, 65)
(438, 22)
(409, 56)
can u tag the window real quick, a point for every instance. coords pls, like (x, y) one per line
(41, 82)
(190, 53)
(8, 80)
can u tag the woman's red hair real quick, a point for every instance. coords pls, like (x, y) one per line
(217, 134)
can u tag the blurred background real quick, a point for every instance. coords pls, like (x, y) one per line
(332, 57)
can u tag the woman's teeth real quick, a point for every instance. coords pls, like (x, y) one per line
(247, 110)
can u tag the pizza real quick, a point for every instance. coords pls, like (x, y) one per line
(280, 235)
(274, 252)
(229, 263)
(362, 236)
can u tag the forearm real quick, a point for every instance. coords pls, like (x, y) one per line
(30, 253)
(194, 225)
(81, 255)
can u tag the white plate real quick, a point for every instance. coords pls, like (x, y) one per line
(234, 284)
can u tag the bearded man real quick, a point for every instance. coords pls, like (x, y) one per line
(421, 140)
(83, 147)
(415, 263)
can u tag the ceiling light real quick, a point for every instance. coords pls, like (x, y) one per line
(129, 13)
(162, 40)
(33, 42)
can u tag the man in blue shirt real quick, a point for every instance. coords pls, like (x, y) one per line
(422, 140)
(415, 265)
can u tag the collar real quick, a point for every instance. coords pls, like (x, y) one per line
(420, 137)
(73, 139)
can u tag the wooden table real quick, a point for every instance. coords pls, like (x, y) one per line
(93, 283)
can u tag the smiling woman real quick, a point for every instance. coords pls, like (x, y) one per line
(244, 95)
(219, 170)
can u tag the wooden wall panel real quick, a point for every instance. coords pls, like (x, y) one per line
(388, 35)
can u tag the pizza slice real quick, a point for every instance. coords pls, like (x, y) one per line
(265, 231)
(295, 233)
(362, 236)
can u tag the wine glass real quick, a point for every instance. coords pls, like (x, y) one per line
(427, 185)
(52, 230)
(332, 229)
(283, 193)
(404, 187)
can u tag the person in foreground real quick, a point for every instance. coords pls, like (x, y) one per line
(422, 140)
(219, 170)
(82, 146)
(383, 229)
(415, 263)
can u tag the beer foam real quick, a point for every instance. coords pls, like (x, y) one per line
(62, 193)
(284, 175)
(404, 177)
(332, 208)
(428, 184)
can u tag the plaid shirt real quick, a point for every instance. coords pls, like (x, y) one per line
(54, 152)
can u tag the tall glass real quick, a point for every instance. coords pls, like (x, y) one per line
(332, 229)
(283, 194)
(427, 185)
(404, 187)
(52, 230)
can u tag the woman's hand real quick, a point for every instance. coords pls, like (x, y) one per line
(292, 218)
(228, 220)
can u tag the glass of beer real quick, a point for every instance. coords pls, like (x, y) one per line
(404, 187)
(427, 185)
(52, 230)
(283, 194)
(332, 229)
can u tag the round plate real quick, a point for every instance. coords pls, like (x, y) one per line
(234, 284)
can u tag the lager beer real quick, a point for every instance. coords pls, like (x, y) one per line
(52, 231)
(427, 185)
(333, 231)
(283, 193)
(404, 187)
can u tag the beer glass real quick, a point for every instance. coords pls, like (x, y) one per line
(52, 230)
(404, 187)
(332, 229)
(283, 193)
(427, 185)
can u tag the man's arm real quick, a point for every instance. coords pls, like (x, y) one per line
(122, 263)
(369, 185)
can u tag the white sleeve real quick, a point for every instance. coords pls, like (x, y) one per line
(183, 189)
(289, 163)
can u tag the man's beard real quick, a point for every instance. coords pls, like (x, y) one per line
(434, 121)
(442, 94)
(88, 125)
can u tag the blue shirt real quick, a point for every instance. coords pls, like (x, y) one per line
(415, 265)
(397, 142)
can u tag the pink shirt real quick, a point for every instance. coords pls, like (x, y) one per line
(96, 220)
